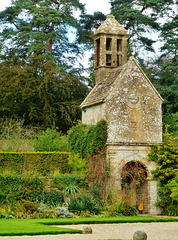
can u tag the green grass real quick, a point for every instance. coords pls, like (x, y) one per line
(17, 227)
(122, 219)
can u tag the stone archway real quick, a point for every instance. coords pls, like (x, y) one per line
(134, 183)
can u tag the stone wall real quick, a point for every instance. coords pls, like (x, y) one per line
(137, 122)
(125, 98)
(119, 156)
(93, 114)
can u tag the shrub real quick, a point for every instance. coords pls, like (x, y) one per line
(77, 164)
(50, 141)
(16, 188)
(76, 137)
(14, 137)
(173, 186)
(27, 191)
(168, 204)
(62, 212)
(83, 203)
(166, 172)
(98, 173)
(30, 207)
(43, 163)
(6, 212)
(71, 190)
(65, 180)
(24, 209)
(122, 208)
(52, 197)
(44, 211)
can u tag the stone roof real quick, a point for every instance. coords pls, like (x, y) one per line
(99, 93)
(111, 26)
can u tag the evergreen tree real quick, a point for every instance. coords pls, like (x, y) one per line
(169, 65)
(89, 23)
(140, 17)
(167, 83)
(38, 80)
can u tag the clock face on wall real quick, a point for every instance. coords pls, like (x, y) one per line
(133, 98)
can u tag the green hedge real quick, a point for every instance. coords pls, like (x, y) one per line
(43, 162)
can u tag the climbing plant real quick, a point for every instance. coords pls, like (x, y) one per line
(133, 171)
(87, 140)
(166, 172)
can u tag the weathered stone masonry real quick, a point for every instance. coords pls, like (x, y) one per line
(130, 104)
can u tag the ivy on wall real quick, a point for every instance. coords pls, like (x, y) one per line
(87, 140)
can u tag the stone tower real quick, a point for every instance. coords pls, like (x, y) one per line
(126, 99)
(110, 44)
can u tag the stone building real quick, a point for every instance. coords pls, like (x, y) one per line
(131, 106)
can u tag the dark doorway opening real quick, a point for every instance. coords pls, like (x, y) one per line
(134, 184)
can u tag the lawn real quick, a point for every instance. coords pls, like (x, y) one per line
(17, 227)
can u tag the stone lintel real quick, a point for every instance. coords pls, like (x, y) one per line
(131, 144)
(99, 34)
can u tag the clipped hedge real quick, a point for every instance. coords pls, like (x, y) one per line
(43, 162)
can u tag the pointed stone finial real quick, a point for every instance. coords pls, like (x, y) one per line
(110, 16)
(111, 26)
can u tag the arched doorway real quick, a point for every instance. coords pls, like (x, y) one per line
(134, 184)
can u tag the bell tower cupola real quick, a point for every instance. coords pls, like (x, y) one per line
(110, 43)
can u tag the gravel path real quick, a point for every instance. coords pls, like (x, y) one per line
(155, 231)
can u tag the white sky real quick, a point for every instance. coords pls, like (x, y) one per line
(4, 4)
(97, 5)
(91, 5)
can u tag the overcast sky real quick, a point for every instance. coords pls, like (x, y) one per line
(91, 5)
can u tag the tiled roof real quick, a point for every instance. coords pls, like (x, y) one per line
(99, 93)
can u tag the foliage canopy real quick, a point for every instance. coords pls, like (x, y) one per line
(38, 80)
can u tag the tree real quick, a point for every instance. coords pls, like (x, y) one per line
(89, 23)
(140, 18)
(167, 83)
(38, 80)
(168, 65)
